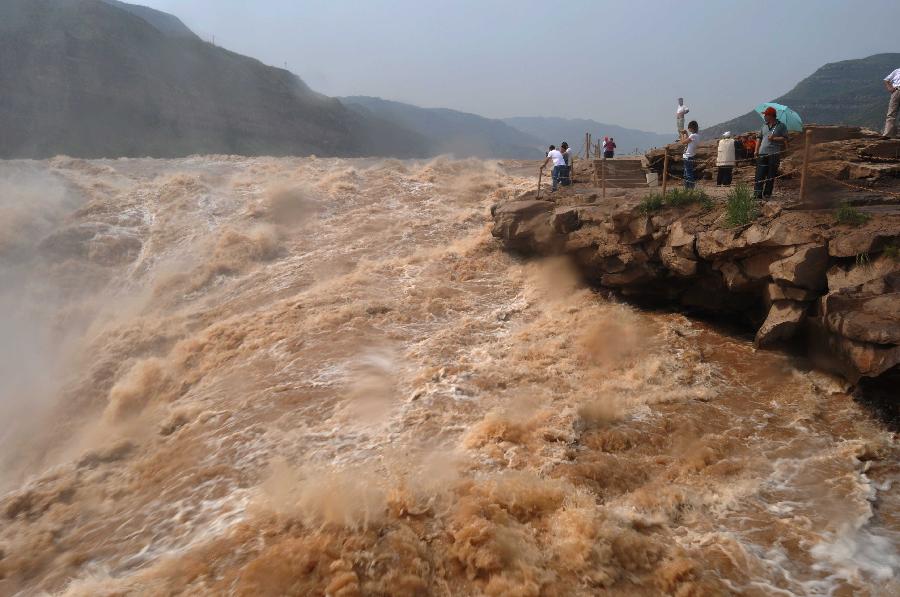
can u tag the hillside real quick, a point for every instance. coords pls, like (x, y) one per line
(93, 78)
(451, 131)
(556, 130)
(848, 92)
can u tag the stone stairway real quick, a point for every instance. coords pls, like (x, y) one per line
(622, 173)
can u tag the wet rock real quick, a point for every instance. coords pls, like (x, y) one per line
(781, 323)
(868, 360)
(805, 268)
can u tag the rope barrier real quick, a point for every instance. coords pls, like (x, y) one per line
(853, 186)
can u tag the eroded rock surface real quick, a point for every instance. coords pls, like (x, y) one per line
(786, 273)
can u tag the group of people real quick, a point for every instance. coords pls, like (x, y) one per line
(765, 147)
(562, 165)
(561, 174)
(772, 143)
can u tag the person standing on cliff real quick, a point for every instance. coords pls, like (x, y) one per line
(680, 111)
(610, 151)
(559, 163)
(725, 159)
(565, 178)
(690, 137)
(892, 84)
(773, 138)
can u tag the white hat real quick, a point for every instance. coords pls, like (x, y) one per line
(726, 134)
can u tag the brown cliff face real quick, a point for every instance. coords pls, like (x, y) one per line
(790, 273)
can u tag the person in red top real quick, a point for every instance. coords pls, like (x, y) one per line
(610, 149)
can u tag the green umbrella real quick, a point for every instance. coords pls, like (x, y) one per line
(791, 119)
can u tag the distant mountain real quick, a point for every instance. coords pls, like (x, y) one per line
(848, 92)
(168, 25)
(556, 130)
(450, 131)
(100, 78)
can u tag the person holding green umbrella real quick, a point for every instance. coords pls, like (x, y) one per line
(773, 138)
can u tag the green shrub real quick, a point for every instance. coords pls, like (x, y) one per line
(676, 197)
(849, 215)
(650, 203)
(740, 206)
(862, 259)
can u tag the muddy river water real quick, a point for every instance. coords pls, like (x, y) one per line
(259, 376)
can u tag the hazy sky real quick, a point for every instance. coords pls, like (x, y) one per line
(622, 62)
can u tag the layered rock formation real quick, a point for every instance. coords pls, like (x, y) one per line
(790, 274)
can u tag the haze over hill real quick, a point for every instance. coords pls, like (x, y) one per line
(91, 78)
(555, 130)
(847, 92)
(451, 131)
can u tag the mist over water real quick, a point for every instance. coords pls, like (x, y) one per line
(260, 376)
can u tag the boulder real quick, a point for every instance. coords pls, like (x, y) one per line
(851, 277)
(777, 292)
(778, 234)
(805, 268)
(867, 360)
(873, 319)
(565, 220)
(855, 242)
(781, 323)
(640, 228)
(770, 209)
(719, 242)
(523, 225)
(756, 267)
(676, 262)
(732, 275)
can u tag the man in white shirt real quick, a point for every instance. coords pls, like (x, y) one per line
(691, 138)
(892, 84)
(680, 111)
(559, 163)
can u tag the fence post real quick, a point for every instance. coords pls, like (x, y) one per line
(587, 145)
(540, 175)
(603, 176)
(665, 179)
(804, 175)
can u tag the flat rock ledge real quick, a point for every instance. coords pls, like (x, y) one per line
(791, 274)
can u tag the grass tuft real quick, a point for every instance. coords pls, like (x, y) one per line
(676, 197)
(741, 207)
(849, 215)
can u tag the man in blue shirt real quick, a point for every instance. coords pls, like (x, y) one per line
(773, 138)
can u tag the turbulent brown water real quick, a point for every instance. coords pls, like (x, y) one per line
(234, 376)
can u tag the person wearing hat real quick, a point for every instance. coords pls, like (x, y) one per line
(773, 138)
(725, 159)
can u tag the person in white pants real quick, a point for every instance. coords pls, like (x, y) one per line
(892, 84)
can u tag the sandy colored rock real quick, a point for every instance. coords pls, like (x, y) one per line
(805, 268)
(781, 323)
(874, 319)
(842, 277)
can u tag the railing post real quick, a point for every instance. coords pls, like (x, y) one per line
(603, 176)
(665, 179)
(804, 174)
(540, 175)
(587, 145)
